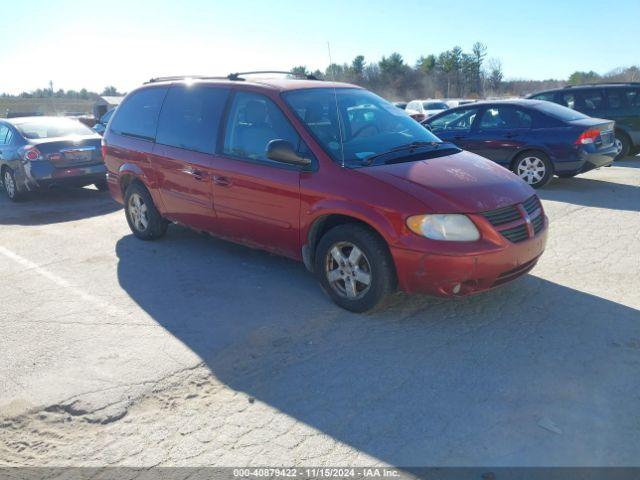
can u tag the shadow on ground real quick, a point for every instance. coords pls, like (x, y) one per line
(426, 381)
(591, 192)
(55, 206)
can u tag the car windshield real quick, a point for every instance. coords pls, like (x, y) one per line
(558, 111)
(368, 126)
(435, 106)
(52, 128)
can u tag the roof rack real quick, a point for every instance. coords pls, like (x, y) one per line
(237, 76)
(601, 84)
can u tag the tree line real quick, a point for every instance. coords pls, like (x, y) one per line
(453, 73)
(82, 94)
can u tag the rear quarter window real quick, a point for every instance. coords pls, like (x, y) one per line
(559, 112)
(138, 115)
(190, 117)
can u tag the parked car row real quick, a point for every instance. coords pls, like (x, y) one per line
(325, 173)
(534, 139)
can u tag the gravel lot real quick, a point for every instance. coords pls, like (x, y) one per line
(193, 351)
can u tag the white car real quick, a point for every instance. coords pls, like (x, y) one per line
(458, 102)
(420, 110)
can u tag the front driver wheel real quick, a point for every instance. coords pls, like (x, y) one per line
(535, 168)
(354, 267)
(143, 217)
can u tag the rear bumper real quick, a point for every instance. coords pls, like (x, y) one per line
(586, 160)
(436, 274)
(43, 174)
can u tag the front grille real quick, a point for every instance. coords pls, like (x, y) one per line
(502, 215)
(516, 234)
(531, 204)
(511, 223)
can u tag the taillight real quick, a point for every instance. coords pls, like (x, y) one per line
(588, 137)
(30, 154)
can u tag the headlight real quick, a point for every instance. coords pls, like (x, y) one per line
(454, 228)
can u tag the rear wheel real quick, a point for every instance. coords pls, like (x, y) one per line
(142, 215)
(623, 145)
(354, 267)
(10, 185)
(535, 168)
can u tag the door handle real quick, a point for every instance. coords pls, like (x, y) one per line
(195, 173)
(222, 181)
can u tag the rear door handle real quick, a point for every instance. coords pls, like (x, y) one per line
(222, 181)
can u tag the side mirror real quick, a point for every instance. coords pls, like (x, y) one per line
(282, 151)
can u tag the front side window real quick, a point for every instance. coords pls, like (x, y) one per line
(138, 115)
(505, 117)
(52, 128)
(190, 117)
(352, 124)
(253, 121)
(460, 119)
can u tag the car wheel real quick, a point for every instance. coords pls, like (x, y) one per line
(10, 185)
(354, 267)
(142, 215)
(623, 145)
(102, 185)
(535, 168)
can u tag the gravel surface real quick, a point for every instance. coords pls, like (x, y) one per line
(194, 351)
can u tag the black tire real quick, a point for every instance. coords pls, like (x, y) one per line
(156, 226)
(102, 186)
(622, 140)
(566, 175)
(374, 263)
(10, 185)
(541, 171)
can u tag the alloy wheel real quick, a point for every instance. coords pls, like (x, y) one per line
(348, 270)
(619, 145)
(532, 170)
(138, 212)
(9, 184)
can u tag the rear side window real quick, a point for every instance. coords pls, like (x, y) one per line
(547, 96)
(190, 117)
(633, 97)
(138, 115)
(5, 135)
(505, 117)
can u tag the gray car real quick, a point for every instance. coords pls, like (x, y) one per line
(41, 152)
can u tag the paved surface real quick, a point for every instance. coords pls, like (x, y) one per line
(194, 351)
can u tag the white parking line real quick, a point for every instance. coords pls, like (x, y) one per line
(61, 282)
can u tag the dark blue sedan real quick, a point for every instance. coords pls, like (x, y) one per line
(532, 138)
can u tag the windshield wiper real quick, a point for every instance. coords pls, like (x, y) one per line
(409, 146)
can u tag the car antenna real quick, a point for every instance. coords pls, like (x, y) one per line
(335, 96)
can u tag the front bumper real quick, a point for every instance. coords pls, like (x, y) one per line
(43, 174)
(446, 275)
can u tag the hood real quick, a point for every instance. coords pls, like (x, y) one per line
(459, 183)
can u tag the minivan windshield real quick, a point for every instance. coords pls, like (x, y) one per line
(52, 128)
(368, 125)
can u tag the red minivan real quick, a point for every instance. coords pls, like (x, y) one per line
(327, 173)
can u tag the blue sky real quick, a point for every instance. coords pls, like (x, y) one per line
(95, 43)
